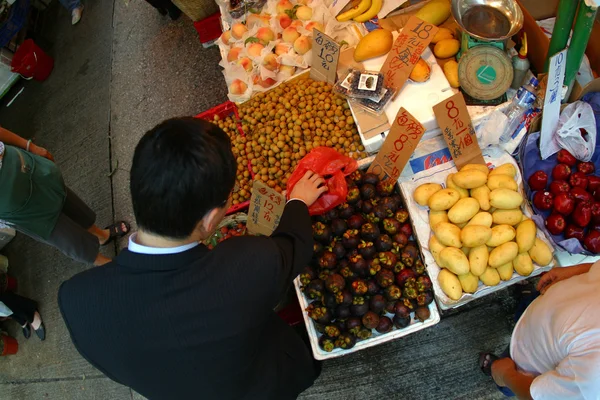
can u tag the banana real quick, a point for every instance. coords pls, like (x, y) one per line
(363, 6)
(371, 12)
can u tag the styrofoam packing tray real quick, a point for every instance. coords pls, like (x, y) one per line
(420, 219)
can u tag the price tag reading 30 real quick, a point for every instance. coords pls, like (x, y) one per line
(326, 53)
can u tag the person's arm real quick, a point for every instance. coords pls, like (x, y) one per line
(558, 274)
(505, 373)
(12, 139)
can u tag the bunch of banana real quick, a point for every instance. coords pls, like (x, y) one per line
(362, 12)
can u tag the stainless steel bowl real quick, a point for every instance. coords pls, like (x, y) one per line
(488, 20)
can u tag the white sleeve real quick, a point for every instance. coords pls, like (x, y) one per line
(577, 376)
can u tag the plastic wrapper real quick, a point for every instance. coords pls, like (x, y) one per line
(368, 84)
(332, 165)
(531, 161)
(576, 130)
(377, 107)
(343, 86)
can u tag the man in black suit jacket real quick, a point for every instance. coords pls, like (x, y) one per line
(174, 320)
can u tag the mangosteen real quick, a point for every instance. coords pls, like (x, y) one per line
(358, 205)
(401, 216)
(382, 212)
(397, 199)
(350, 239)
(359, 287)
(385, 325)
(392, 292)
(374, 266)
(332, 214)
(372, 218)
(383, 243)
(422, 313)
(322, 232)
(410, 303)
(338, 227)
(403, 276)
(385, 188)
(357, 177)
(329, 300)
(372, 287)
(342, 312)
(371, 178)
(367, 250)
(315, 289)
(367, 206)
(390, 225)
(385, 278)
(398, 267)
(425, 298)
(353, 325)
(400, 239)
(389, 204)
(356, 221)
(402, 310)
(346, 272)
(353, 195)
(419, 267)
(367, 192)
(319, 313)
(335, 283)
(365, 333)
(387, 259)
(345, 341)
(390, 306)
(324, 274)
(359, 265)
(328, 260)
(308, 274)
(401, 322)
(406, 228)
(359, 306)
(319, 327)
(345, 210)
(349, 182)
(321, 218)
(318, 249)
(352, 253)
(423, 283)
(370, 320)
(410, 292)
(369, 232)
(377, 304)
(339, 250)
(343, 297)
(332, 331)
(409, 255)
(327, 343)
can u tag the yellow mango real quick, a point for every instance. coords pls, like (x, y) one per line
(446, 48)
(468, 282)
(443, 33)
(421, 72)
(451, 71)
(373, 44)
(450, 184)
(435, 12)
(450, 284)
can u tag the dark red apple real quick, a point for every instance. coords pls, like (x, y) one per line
(586, 167)
(582, 215)
(574, 231)
(561, 172)
(555, 223)
(564, 203)
(560, 186)
(538, 180)
(592, 241)
(578, 179)
(564, 157)
(581, 194)
(543, 200)
(596, 212)
(593, 183)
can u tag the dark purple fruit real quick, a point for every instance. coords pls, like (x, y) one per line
(344, 297)
(401, 322)
(404, 275)
(335, 283)
(332, 214)
(367, 250)
(315, 289)
(367, 192)
(422, 313)
(401, 216)
(359, 287)
(387, 259)
(319, 327)
(385, 278)
(339, 250)
(353, 195)
(322, 232)
(338, 227)
(342, 312)
(382, 212)
(364, 334)
(356, 221)
(328, 260)
(369, 232)
(390, 225)
(385, 325)
(389, 204)
(385, 188)
(324, 274)
(367, 206)
(345, 210)
(374, 266)
(329, 300)
(402, 310)
(332, 331)
(346, 272)
(353, 325)
(350, 239)
(372, 218)
(419, 267)
(400, 239)
(357, 177)
(345, 341)
(359, 306)
(398, 267)
(406, 228)
(425, 298)
(410, 303)
(308, 274)
(390, 307)
(326, 343)
(409, 254)
(318, 249)
(424, 283)
(320, 313)
(352, 253)
(372, 287)
(370, 320)
(383, 243)
(392, 292)
(397, 199)
(377, 304)
(371, 178)
(410, 292)
(359, 266)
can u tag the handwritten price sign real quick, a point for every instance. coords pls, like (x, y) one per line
(455, 122)
(406, 51)
(266, 207)
(326, 54)
(400, 143)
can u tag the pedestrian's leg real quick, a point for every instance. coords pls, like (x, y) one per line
(23, 308)
(75, 8)
(77, 210)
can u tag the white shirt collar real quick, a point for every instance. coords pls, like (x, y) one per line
(138, 248)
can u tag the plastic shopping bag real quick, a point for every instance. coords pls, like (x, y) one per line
(576, 130)
(334, 167)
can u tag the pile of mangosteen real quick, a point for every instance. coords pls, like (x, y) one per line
(366, 273)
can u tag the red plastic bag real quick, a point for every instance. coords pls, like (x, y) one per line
(334, 167)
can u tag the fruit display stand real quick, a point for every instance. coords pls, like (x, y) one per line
(422, 229)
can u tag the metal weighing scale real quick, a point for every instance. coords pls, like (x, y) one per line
(485, 71)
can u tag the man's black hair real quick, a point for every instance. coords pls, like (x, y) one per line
(181, 169)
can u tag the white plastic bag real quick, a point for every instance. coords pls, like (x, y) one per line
(575, 117)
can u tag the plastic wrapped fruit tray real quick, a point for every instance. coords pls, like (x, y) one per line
(376, 338)
(420, 220)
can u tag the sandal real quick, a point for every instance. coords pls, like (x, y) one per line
(115, 231)
(485, 362)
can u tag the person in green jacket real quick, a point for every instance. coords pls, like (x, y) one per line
(35, 201)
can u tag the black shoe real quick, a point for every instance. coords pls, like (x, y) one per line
(27, 331)
(41, 332)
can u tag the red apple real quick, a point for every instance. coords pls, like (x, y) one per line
(555, 224)
(586, 167)
(578, 179)
(593, 183)
(582, 215)
(574, 231)
(564, 203)
(561, 172)
(592, 241)
(538, 180)
(581, 194)
(543, 200)
(559, 186)
(564, 157)
(596, 212)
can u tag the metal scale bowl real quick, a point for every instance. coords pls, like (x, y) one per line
(485, 70)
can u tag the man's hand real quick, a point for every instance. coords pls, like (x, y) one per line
(40, 151)
(558, 274)
(309, 188)
(500, 368)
